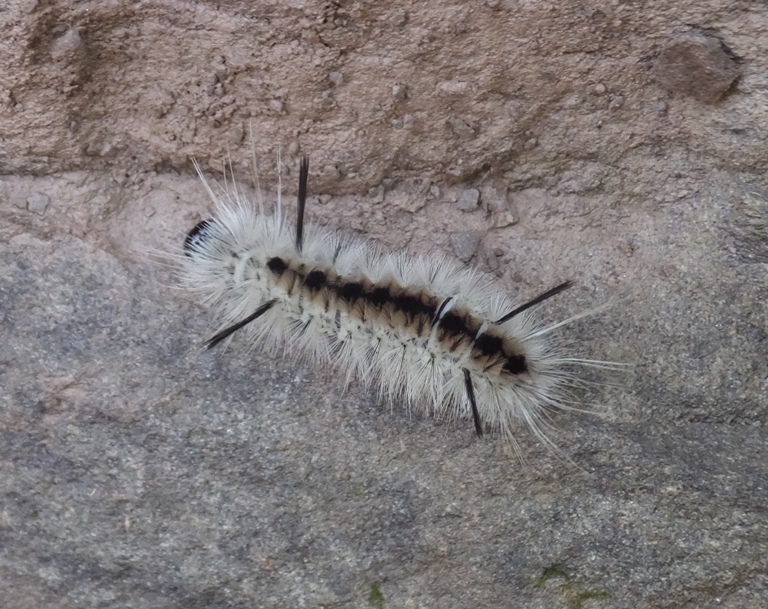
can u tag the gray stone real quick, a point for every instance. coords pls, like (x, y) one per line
(399, 91)
(464, 244)
(469, 199)
(460, 127)
(68, 46)
(38, 203)
(503, 219)
(494, 196)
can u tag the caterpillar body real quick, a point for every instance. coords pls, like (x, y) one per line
(424, 331)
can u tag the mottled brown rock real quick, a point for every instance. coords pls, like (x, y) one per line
(698, 66)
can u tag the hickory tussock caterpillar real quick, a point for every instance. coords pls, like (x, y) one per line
(443, 339)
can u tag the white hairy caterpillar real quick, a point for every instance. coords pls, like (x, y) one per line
(440, 338)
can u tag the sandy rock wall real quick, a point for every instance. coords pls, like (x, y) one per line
(444, 90)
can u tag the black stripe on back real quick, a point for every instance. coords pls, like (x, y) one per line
(453, 324)
(315, 280)
(277, 265)
(351, 291)
(489, 345)
(412, 306)
(515, 364)
(454, 327)
(378, 296)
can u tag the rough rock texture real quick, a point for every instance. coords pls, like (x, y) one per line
(137, 472)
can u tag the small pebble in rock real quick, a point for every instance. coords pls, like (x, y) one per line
(68, 46)
(469, 199)
(398, 17)
(616, 103)
(376, 194)
(494, 196)
(531, 143)
(460, 127)
(503, 219)
(38, 203)
(464, 245)
(399, 91)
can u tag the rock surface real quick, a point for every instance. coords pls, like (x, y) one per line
(137, 471)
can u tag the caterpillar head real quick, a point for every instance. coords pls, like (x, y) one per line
(197, 237)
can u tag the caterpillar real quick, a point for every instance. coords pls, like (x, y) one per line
(424, 331)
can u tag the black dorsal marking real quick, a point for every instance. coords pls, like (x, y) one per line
(515, 364)
(412, 305)
(277, 265)
(315, 280)
(453, 324)
(351, 291)
(488, 345)
(378, 297)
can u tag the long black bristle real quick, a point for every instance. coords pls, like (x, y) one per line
(302, 202)
(473, 403)
(439, 312)
(535, 301)
(234, 328)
